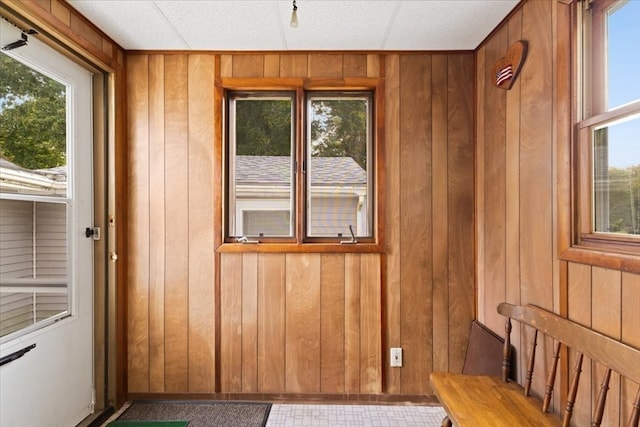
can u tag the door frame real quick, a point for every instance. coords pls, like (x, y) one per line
(109, 312)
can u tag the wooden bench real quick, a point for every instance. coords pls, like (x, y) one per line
(491, 401)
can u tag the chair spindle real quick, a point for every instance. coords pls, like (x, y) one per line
(506, 351)
(602, 399)
(634, 419)
(548, 391)
(573, 391)
(532, 360)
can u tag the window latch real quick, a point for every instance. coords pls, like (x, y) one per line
(353, 240)
(245, 240)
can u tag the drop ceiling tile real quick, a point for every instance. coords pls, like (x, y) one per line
(132, 24)
(445, 24)
(338, 25)
(226, 25)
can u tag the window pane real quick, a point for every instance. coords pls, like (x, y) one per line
(623, 54)
(261, 166)
(33, 145)
(33, 263)
(339, 165)
(616, 154)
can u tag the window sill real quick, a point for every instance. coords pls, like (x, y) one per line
(599, 257)
(300, 248)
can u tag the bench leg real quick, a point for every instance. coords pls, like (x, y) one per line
(446, 422)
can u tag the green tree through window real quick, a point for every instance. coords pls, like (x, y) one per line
(32, 117)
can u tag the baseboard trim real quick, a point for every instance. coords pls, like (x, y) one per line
(343, 399)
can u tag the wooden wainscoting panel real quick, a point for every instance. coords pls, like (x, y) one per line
(460, 181)
(272, 65)
(157, 223)
(325, 65)
(630, 314)
(230, 323)
(302, 323)
(332, 323)
(494, 182)
(271, 323)
(248, 66)
(607, 293)
(177, 225)
(249, 322)
(138, 220)
(537, 154)
(579, 310)
(416, 223)
(370, 323)
(201, 263)
(294, 65)
(352, 323)
(440, 205)
(480, 192)
(354, 65)
(392, 259)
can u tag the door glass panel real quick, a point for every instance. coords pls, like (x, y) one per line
(33, 198)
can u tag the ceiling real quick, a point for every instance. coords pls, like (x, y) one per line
(258, 25)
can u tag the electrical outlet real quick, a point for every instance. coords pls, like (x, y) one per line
(396, 357)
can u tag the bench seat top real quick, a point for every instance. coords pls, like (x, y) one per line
(488, 401)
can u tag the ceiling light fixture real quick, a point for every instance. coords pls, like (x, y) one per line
(294, 15)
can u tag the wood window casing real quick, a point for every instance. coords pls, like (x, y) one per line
(608, 250)
(300, 85)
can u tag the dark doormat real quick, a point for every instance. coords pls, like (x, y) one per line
(200, 413)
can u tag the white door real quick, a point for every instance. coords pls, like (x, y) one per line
(46, 262)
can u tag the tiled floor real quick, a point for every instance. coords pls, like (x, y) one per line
(290, 415)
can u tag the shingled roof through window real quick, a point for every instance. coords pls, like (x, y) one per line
(275, 170)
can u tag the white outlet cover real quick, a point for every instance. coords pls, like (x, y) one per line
(396, 357)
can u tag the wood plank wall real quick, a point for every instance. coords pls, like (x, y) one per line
(305, 323)
(519, 173)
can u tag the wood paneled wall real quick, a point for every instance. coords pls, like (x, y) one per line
(522, 137)
(305, 323)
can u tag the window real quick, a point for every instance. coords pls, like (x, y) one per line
(608, 150)
(300, 166)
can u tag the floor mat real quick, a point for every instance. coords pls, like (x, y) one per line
(200, 414)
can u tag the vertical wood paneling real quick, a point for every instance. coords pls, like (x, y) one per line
(138, 249)
(481, 78)
(579, 310)
(332, 321)
(302, 323)
(355, 65)
(294, 65)
(494, 180)
(460, 180)
(536, 166)
(248, 66)
(512, 183)
(440, 205)
(156, 223)
(201, 265)
(415, 229)
(249, 322)
(392, 280)
(370, 320)
(231, 322)
(607, 293)
(325, 65)
(352, 323)
(271, 323)
(630, 314)
(177, 225)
